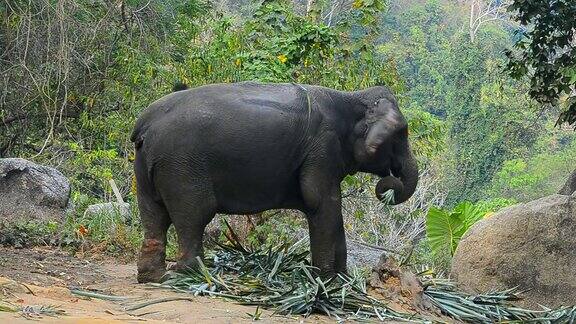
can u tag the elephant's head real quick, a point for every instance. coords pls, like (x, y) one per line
(381, 145)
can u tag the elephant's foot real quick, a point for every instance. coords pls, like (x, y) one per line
(153, 275)
(328, 269)
(151, 263)
(325, 273)
(184, 265)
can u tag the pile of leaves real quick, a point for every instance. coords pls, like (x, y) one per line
(491, 307)
(281, 278)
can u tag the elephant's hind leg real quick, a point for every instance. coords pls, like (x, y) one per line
(190, 224)
(155, 223)
(191, 206)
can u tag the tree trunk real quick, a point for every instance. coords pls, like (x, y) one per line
(244, 225)
(570, 185)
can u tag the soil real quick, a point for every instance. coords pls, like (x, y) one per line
(44, 276)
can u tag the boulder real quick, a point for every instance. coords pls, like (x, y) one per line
(570, 185)
(361, 255)
(12, 286)
(531, 246)
(113, 208)
(29, 191)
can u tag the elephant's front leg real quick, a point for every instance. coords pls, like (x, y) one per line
(326, 227)
(320, 180)
(328, 240)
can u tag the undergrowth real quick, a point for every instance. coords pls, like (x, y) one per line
(107, 233)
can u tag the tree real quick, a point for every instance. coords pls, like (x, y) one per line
(545, 52)
(482, 12)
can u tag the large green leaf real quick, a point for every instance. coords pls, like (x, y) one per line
(469, 213)
(444, 230)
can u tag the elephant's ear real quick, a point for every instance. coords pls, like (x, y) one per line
(384, 120)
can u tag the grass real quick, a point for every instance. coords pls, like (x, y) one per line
(28, 233)
(101, 233)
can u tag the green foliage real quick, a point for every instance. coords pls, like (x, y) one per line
(137, 60)
(278, 227)
(545, 51)
(499, 128)
(93, 168)
(427, 134)
(526, 179)
(103, 232)
(488, 118)
(445, 228)
(279, 43)
(495, 204)
(28, 233)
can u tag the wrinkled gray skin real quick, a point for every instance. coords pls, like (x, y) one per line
(248, 147)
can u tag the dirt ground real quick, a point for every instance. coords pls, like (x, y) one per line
(44, 276)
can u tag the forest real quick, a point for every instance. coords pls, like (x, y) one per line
(490, 119)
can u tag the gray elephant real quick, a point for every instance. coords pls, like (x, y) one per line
(248, 147)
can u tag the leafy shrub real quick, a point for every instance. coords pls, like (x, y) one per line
(28, 233)
(445, 228)
(494, 204)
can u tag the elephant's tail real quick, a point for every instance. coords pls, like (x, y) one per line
(143, 166)
(141, 126)
(137, 136)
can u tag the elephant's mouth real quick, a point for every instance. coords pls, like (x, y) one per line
(386, 189)
(399, 182)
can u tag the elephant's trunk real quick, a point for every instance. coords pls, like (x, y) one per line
(403, 182)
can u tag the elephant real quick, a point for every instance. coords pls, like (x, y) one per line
(247, 147)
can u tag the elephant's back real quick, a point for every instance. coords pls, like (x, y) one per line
(228, 122)
(244, 98)
(250, 97)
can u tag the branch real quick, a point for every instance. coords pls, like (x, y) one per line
(123, 15)
(377, 247)
(143, 7)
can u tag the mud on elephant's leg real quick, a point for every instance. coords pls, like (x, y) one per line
(152, 258)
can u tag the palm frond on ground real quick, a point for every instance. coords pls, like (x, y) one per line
(281, 278)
